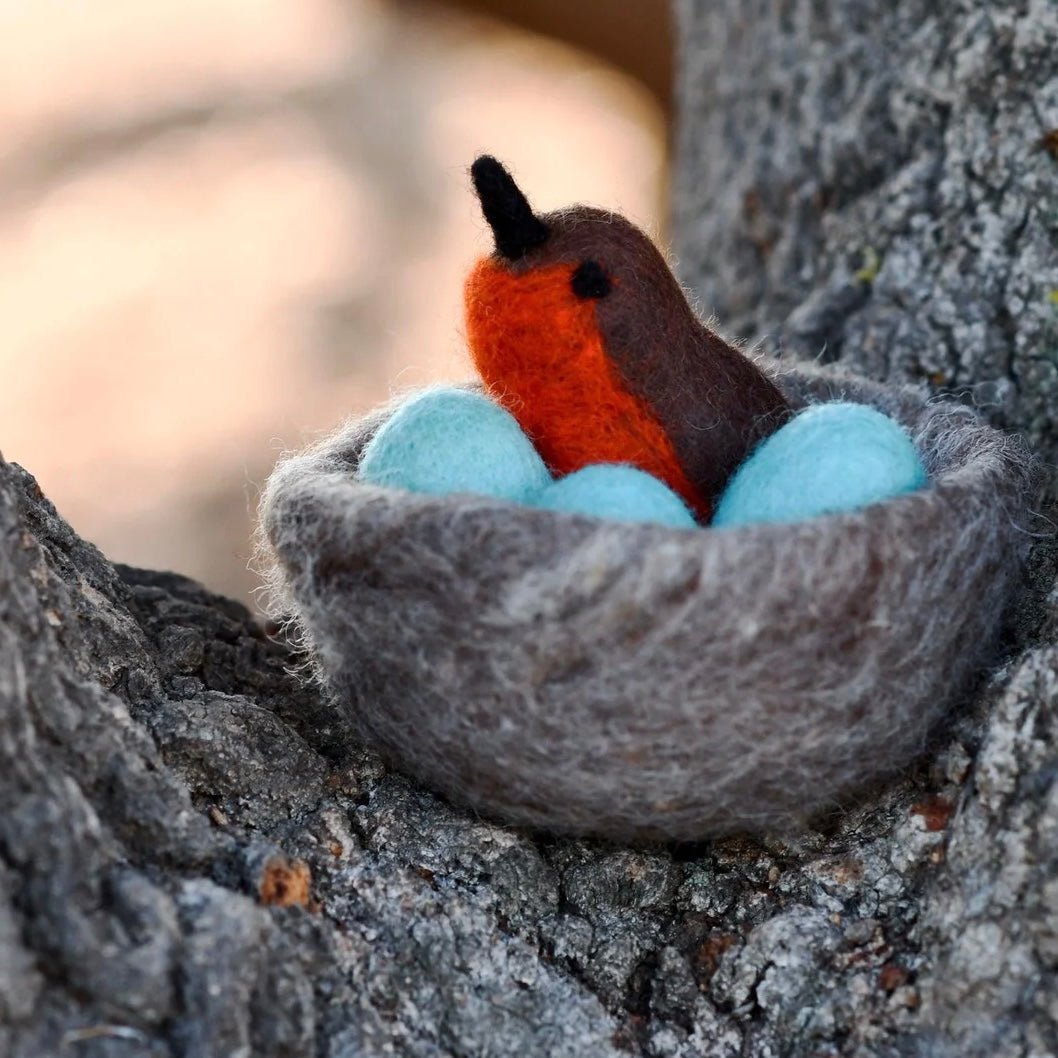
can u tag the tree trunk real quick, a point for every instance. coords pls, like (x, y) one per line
(196, 858)
(878, 184)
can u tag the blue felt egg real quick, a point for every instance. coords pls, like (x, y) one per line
(449, 440)
(613, 490)
(830, 457)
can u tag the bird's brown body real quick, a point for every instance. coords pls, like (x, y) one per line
(580, 329)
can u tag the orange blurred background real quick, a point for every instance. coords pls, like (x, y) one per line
(226, 225)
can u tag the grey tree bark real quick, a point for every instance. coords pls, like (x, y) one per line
(196, 859)
(876, 184)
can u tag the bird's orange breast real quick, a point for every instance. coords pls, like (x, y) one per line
(541, 354)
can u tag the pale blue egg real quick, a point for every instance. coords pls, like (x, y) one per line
(829, 458)
(619, 492)
(447, 440)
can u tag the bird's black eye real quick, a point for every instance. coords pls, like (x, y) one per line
(590, 281)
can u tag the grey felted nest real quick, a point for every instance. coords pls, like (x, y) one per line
(639, 682)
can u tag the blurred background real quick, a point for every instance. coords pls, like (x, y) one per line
(227, 225)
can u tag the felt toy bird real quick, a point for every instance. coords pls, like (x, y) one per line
(578, 327)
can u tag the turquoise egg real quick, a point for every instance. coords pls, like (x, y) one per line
(622, 493)
(448, 440)
(829, 458)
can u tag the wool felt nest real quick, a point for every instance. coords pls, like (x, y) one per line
(640, 682)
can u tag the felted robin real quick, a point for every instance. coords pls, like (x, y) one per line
(579, 328)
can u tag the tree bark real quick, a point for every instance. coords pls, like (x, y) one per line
(876, 184)
(197, 859)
